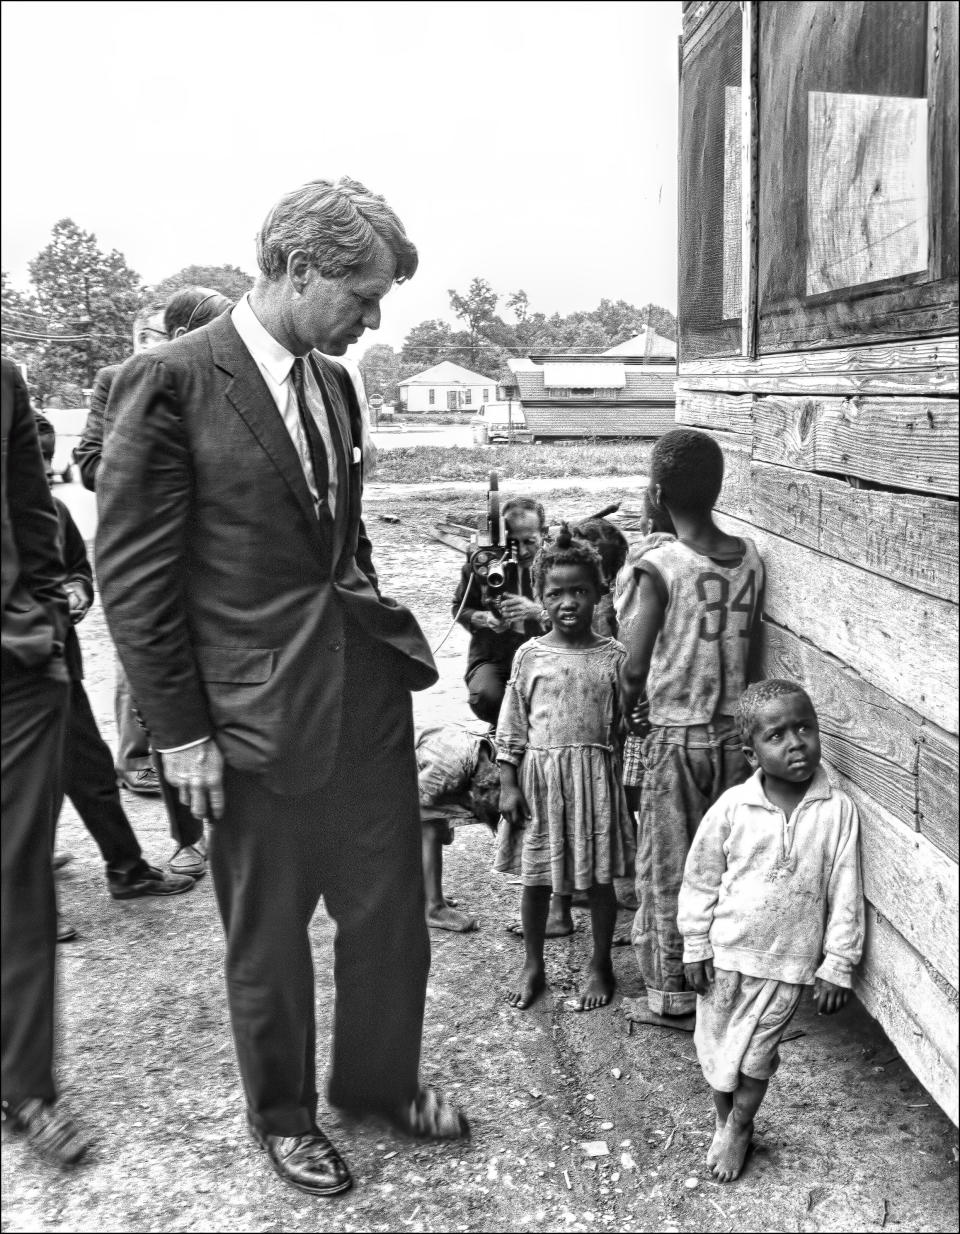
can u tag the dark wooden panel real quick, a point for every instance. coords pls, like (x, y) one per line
(899, 443)
(904, 537)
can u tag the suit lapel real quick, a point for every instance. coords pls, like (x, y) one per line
(248, 393)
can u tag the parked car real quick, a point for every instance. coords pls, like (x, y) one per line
(500, 419)
(68, 423)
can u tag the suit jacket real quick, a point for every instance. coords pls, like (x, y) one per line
(35, 618)
(227, 599)
(88, 453)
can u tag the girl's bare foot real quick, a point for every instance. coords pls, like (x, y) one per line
(714, 1150)
(732, 1150)
(598, 991)
(527, 987)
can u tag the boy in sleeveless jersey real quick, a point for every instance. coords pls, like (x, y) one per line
(697, 612)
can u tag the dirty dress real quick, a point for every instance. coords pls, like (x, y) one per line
(558, 725)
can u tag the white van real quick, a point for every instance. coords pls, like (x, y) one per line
(500, 418)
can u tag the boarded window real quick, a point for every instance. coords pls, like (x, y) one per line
(854, 244)
(710, 187)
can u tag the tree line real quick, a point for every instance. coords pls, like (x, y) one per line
(78, 313)
(487, 341)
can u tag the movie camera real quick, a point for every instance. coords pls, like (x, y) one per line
(493, 557)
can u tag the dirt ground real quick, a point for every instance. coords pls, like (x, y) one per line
(846, 1140)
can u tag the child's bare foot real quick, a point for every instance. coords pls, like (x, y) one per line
(598, 991)
(732, 1150)
(527, 987)
(447, 918)
(558, 926)
(713, 1151)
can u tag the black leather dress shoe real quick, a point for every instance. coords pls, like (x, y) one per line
(308, 1162)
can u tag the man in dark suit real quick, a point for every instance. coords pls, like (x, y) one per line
(134, 765)
(34, 696)
(238, 584)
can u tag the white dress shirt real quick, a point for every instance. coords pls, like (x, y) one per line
(275, 364)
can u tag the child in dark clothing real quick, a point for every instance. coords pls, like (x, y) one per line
(459, 782)
(612, 545)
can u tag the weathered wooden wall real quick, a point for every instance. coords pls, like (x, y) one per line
(861, 607)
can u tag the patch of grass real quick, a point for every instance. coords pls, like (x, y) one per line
(419, 464)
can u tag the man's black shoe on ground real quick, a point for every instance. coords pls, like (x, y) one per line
(308, 1162)
(147, 881)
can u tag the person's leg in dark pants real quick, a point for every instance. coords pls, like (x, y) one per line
(373, 889)
(486, 686)
(265, 869)
(32, 737)
(90, 783)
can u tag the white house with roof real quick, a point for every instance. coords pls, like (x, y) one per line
(446, 387)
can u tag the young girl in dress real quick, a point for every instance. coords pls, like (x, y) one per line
(566, 824)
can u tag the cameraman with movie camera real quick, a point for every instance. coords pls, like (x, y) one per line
(494, 602)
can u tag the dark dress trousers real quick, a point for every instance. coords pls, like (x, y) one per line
(88, 776)
(238, 614)
(34, 695)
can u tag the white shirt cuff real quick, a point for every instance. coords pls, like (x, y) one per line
(189, 746)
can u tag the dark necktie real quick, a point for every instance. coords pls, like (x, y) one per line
(315, 446)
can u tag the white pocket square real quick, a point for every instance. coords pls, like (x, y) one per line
(357, 454)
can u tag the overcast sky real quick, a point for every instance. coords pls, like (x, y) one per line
(532, 144)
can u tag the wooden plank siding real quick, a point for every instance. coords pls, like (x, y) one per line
(913, 884)
(937, 789)
(916, 1007)
(725, 413)
(903, 537)
(899, 443)
(922, 367)
(896, 638)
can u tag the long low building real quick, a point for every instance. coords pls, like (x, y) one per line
(593, 396)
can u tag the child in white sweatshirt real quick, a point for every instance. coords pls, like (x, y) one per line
(771, 901)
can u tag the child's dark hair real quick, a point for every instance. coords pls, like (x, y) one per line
(757, 696)
(607, 539)
(524, 505)
(688, 466)
(566, 551)
(658, 517)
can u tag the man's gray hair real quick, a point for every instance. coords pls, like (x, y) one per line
(338, 224)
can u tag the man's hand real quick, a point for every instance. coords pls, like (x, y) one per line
(519, 608)
(699, 976)
(513, 806)
(197, 773)
(829, 997)
(78, 603)
(483, 620)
